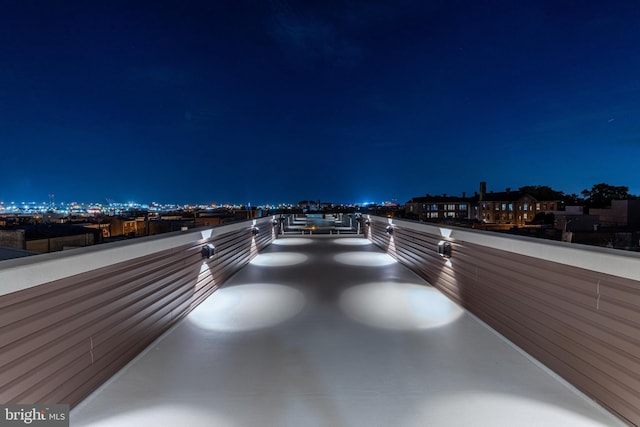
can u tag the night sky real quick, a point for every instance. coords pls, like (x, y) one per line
(339, 101)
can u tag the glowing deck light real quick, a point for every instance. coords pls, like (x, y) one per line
(352, 241)
(208, 251)
(444, 249)
(445, 232)
(292, 241)
(167, 414)
(248, 307)
(500, 410)
(279, 259)
(398, 306)
(364, 259)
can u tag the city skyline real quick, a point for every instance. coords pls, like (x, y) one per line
(270, 102)
(43, 205)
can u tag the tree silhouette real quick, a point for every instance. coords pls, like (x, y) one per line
(572, 200)
(601, 195)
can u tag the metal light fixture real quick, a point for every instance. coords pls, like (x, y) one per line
(444, 249)
(368, 222)
(389, 230)
(275, 222)
(208, 251)
(255, 231)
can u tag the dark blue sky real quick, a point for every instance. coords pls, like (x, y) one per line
(343, 101)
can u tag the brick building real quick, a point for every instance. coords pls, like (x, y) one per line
(511, 207)
(507, 207)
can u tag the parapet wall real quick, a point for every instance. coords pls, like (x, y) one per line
(70, 320)
(574, 308)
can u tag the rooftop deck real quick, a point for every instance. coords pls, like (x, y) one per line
(332, 331)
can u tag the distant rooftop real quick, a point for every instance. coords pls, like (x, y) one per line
(11, 253)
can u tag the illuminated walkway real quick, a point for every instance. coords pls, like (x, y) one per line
(319, 331)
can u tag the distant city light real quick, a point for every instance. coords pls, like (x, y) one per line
(112, 207)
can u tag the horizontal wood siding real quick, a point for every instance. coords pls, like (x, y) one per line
(583, 324)
(60, 340)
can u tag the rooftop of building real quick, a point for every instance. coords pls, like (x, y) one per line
(12, 253)
(335, 332)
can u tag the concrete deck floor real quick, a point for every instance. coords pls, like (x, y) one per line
(322, 331)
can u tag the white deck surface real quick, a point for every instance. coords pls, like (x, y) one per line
(322, 331)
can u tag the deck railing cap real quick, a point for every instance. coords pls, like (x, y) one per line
(23, 273)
